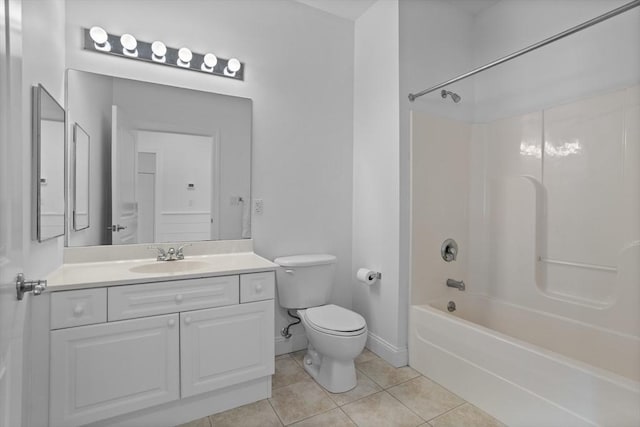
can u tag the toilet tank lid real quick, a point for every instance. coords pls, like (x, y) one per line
(305, 260)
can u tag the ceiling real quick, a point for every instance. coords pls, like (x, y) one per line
(473, 7)
(349, 9)
(353, 9)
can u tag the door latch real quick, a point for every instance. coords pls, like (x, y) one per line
(23, 286)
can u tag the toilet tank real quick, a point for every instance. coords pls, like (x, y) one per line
(305, 280)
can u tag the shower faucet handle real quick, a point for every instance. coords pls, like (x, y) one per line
(449, 250)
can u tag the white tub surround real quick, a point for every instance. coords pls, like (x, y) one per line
(137, 342)
(560, 372)
(544, 207)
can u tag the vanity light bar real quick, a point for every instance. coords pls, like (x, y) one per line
(126, 46)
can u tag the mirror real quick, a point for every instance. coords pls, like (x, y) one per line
(49, 158)
(81, 178)
(167, 164)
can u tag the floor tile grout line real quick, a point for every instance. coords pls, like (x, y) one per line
(402, 382)
(359, 398)
(274, 411)
(447, 411)
(347, 415)
(311, 416)
(371, 379)
(410, 410)
(295, 382)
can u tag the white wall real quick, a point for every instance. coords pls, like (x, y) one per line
(599, 59)
(299, 74)
(376, 178)
(90, 107)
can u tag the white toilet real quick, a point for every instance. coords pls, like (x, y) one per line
(336, 335)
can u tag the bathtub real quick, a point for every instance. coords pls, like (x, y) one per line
(525, 367)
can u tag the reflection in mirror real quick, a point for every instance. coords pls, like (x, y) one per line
(48, 142)
(167, 164)
(81, 178)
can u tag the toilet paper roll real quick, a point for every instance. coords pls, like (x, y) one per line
(366, 276)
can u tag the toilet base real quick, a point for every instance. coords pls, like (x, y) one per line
(337, 376)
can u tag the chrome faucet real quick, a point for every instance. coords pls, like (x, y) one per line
(162, 254)
(456, 284)
(179, 252)
(170, 254)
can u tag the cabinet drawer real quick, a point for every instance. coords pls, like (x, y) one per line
(77, 308)
(131, 301)
(257, 286)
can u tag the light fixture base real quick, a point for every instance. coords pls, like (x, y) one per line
(171, 58)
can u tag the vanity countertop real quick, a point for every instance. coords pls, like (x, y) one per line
(111, 273)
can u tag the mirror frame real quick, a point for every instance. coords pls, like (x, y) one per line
(78, 130)
(37, 94)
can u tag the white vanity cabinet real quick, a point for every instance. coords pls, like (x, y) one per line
(161, 342)
(225, 346)
(108, 369)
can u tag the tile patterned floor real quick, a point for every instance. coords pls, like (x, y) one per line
(385, 396)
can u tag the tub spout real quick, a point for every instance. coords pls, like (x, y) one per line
(456, 284)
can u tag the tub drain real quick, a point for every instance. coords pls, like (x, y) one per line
(451, 306)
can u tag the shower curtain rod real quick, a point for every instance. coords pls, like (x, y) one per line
(577, 28)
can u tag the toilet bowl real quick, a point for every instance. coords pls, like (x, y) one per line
(336, 337)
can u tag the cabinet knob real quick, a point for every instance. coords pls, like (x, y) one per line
(258, 288)
(78, 310)
(179, 298)
(171, 322)
(187, 320)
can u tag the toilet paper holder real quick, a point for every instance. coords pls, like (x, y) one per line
(368, 276)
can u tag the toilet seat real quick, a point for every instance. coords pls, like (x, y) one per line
(335, 320)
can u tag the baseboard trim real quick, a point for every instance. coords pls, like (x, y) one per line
(396, 356)
(295, 343)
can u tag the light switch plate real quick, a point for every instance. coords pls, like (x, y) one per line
(258, 206)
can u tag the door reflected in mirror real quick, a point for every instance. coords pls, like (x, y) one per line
(167, 164)
(81, 178)
(49, 149)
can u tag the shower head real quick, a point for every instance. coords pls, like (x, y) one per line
(456, 98)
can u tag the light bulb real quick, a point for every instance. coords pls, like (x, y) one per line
(184, 56)
(233, 65)
(129, 44)
(159, 51)
(100, 38)
(98, 35)
(209, 61)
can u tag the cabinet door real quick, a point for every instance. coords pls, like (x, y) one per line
(225, 346)
(100, 371)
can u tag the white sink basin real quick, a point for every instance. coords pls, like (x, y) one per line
(169, 267)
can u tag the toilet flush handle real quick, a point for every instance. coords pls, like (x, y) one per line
(289, 271)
